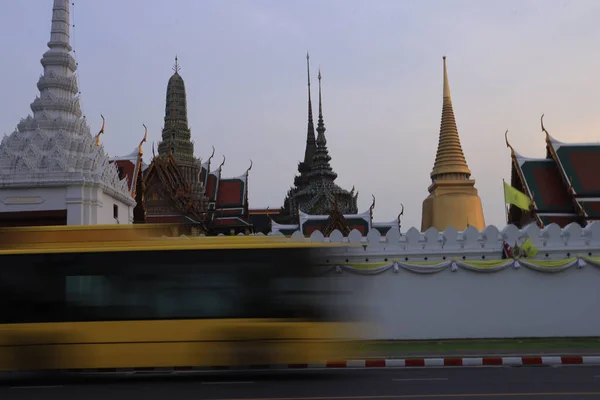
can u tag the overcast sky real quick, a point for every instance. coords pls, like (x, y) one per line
(243, 63)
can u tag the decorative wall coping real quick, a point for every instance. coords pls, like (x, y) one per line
(552, 242)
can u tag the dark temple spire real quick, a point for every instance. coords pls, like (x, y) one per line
(310, 134)
(321, 141)
(321, 159)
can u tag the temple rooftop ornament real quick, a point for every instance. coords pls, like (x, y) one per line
(53, 148)
(453, 200)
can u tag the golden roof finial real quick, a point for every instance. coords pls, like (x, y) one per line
(140, 150)
(512, 150)
(153, 152)
(544, 129)
(450, 158)
(101, 131)
(249, 168)
(223, 163)
(372, 203)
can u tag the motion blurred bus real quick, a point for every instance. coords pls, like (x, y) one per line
(104, 297)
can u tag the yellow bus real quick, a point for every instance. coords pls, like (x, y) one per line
(111, 297)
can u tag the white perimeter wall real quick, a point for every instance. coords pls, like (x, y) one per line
(465, 304)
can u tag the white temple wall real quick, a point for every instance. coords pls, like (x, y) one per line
(464, 304)
(454, 285)
(105, 211)
(32, 199)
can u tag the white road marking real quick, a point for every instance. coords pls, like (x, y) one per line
(419, 379)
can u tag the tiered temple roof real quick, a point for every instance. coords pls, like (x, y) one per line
(227, 197)
(563, 186)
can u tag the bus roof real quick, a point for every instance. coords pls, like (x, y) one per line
(142, 237)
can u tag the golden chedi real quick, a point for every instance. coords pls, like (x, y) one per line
(453, 199)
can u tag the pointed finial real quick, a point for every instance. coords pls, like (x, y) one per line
(153, 152)
(400, 217)
(512, 151)
(101, 131)
(308, 68)
(320, 124)
(212, 154)
(223, 163)
(373, 203)
(310, 134)
(449, 159)
(176, 67)
(446, 83)
(544, 129)
(249, 168)
(140, 150)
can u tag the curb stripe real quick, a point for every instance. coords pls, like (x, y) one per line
(531, 360)
(370, 363)
(492, 361)
(571, 360)
(453, 362)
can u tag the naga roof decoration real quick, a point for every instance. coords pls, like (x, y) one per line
(563, 186)
(132, 165)
(54, 145)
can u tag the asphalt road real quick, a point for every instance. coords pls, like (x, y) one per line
(491, 383)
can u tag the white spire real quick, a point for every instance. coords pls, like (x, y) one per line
(59, 33)
(55, 144)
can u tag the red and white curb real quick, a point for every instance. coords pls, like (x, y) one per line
(464, 362)
(373, 363)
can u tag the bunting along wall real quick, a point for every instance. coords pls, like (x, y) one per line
(546, 266)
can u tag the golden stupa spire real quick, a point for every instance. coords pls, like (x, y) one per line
(453, 200)
(450, 159)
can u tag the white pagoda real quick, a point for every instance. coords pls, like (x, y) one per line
(52, 170)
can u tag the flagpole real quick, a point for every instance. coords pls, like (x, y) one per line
(505, 209)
